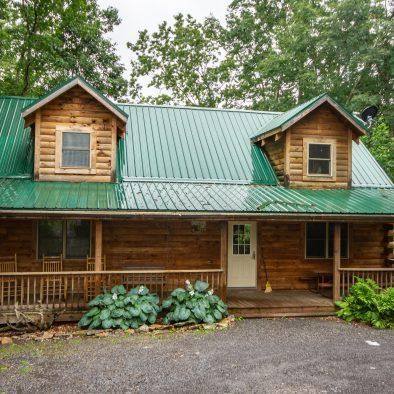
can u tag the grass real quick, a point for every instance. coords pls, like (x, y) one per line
(25, 367)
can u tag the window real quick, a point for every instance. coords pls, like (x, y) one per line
(241, 239)
(75, 149)
(70, 238)
(319, 240)
(319, 159)
(50, 238)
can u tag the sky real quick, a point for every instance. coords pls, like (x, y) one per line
(137, 15)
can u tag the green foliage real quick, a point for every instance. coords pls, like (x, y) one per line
(179, 61)
(194, 303)
(369, 304)
(119, 309)
(380, 142)
(44, 42)
(271, 55)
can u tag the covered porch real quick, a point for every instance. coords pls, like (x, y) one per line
(162, 254)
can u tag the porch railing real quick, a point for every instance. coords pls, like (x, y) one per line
(384, 277)
(71, 291)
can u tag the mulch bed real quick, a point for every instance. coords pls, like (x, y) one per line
(71, 330)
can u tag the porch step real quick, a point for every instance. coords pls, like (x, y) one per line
(283, 312)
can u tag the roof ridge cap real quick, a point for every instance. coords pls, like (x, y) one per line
(197, 108)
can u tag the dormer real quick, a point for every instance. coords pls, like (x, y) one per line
(310, 146)
(76, 131)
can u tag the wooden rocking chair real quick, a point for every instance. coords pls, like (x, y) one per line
(53, 288)
(8, 285)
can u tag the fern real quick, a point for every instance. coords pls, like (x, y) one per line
(368, 303)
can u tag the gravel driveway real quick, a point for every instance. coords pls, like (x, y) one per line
(280, 355)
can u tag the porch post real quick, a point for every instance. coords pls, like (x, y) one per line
(337, 262)
(98, 266)
(223, 259)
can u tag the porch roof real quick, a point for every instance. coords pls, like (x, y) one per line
(189, 197)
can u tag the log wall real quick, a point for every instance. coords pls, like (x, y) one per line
(165, 245)
(126, 245)
(174, 245)
(75, 108)
(320, 125)
(276, 155)
(287, 151)
(282, 249)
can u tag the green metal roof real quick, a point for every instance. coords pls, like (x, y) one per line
(366, 171)
(285, 117)
(183, 143)
(189, 197)
(16, 146)
(182, 159)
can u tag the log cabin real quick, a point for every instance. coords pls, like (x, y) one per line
(95, 193)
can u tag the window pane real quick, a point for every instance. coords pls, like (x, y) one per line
(316, 240)
(315, 248)
(76, 158)
(50, 238)
(344, 240)
(246, 237)
(241, 239)
(79, 141)
(319, 166)
(76, 149)
(77, 239)
(319, 151)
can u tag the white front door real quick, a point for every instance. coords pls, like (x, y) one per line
(241, 254)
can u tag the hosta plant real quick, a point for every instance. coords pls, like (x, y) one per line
(368, 303)
(195, 303)
(121, 309)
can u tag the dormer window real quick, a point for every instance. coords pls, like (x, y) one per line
(319, 159)
(75, 149)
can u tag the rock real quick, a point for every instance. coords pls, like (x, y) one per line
(79, 333)
(63, 335)
(130, 331)
(6, 340)
(209, 326)
(47, 335)
(224, 323)
(102, 334)
(156, 326)
(144, 328)
(90, 333)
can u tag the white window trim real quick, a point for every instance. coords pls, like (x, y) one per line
(59, 168)
(326, 244)
(321, 177)
(64, 240)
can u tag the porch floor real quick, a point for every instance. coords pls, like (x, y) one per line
(256, 303)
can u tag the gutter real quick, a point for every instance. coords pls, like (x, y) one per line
(33, 214)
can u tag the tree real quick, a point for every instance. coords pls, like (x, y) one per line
(46, 41)
(271, 55)
(380, 142)
(179, 61)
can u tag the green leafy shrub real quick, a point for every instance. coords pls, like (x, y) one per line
(368, 303)
(119, 309)
(194, 303)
